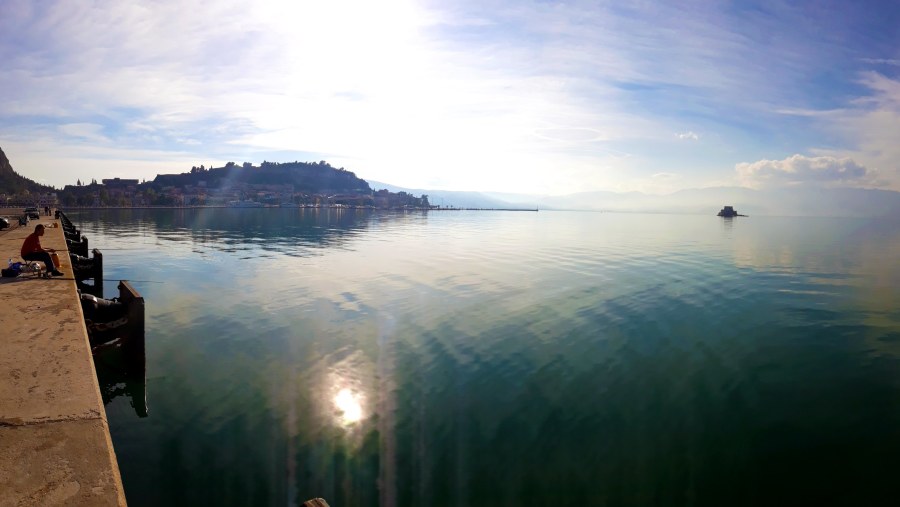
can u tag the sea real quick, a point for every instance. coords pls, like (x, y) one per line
(504, 358)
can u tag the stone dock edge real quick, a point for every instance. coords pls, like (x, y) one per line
(55, 446)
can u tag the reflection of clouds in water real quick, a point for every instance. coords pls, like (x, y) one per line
(252, 233)
(810, 245)
(833, 249)
(843, 265)
(880, 290)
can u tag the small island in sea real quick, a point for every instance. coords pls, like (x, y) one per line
(728, 212)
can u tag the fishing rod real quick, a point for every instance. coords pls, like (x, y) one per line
(127, 280)
(107, 280)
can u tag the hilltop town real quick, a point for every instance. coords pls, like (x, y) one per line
(313, 184)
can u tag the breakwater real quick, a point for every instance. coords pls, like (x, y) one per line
(55, 446)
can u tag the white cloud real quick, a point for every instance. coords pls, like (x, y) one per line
(690, 135)
(799, 169)
(867, 129)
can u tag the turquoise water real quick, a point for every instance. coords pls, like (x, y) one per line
(508, 358)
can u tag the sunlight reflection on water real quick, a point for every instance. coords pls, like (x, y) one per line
(349, 406)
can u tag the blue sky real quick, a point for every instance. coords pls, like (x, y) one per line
(532, 97)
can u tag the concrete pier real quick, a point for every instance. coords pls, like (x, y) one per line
(55, 447)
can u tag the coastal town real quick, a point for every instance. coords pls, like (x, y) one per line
(295, 184)
(127, 193)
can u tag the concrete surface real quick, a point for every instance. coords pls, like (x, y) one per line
(55, 447)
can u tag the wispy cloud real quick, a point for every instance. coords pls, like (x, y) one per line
(550, 97)
(882, 61)
(86, 131)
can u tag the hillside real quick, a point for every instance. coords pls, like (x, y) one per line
(12, 182)
(304, 176)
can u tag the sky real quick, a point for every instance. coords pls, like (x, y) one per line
(536, 97)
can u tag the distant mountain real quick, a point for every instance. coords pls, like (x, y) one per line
(460, 199)
(846, 202)
(795, 201)
(12, 182)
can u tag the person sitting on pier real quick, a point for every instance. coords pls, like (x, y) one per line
(32, 250)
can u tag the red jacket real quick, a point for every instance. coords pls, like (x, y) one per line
(32, 244)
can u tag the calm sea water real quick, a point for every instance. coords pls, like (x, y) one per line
(508, 358)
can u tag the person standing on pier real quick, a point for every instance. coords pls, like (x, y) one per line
(32, 250)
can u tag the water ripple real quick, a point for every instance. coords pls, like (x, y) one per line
(473, 358)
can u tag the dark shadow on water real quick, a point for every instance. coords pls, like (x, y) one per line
(121, 375)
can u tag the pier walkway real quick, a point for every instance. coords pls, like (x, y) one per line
(55, 447)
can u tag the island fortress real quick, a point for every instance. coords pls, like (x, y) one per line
(728, 212)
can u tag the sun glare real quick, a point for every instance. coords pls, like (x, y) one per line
(349, 406)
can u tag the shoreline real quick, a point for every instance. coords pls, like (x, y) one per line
(338, 207)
